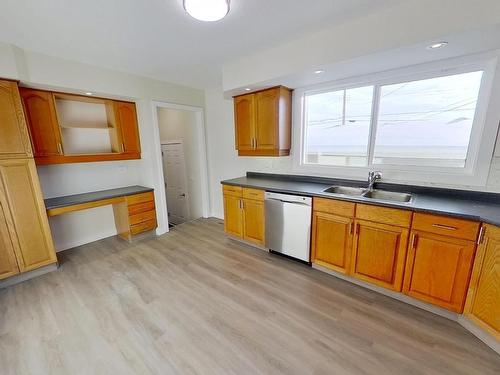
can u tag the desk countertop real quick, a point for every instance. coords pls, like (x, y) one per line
(71, 200)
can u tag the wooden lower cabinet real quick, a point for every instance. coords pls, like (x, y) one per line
(379, 253)
(23, 212)
(332, 241)
(135, 215)
(244, 214)
(438, 269)
(253, 221)
(8, 263)
(483, 298)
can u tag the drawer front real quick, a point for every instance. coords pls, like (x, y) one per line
(332, 206)
(141, 198)
(142, 217)
(140, 207)
(255, 194)
(235, 191)
(446, 226)
(143, 227)
(391, 216)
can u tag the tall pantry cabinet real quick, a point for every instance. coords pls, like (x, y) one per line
(25, 239)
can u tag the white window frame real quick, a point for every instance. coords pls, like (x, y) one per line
(481, 144)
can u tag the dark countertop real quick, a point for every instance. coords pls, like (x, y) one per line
(469, 205)
(71, 200)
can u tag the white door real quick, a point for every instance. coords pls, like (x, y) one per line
(174, 170)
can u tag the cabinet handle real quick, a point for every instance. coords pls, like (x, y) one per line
(447, 227)
(255, 143)
(414, 241)
(356, 230)
(351, 229)
(480, 238)
(59, 148)
(123, 147)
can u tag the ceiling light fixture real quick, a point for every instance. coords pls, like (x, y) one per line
(437, 45)
(89, 93)
(319, 71)
(248, 89)
(207, 10)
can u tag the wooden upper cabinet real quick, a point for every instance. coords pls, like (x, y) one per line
(379, 253)
(68, 128)
(42, 119)
(14, 137)
(263, 122)
(21, 197)
(126, 118)
(244, 112)
(483, 299)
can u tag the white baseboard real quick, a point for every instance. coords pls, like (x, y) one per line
(482, 335)
(28, 275)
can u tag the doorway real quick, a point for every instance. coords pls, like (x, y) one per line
(183, 162)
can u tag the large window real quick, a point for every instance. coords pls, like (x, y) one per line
(426, 122)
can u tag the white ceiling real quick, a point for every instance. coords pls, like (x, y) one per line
(155, 38)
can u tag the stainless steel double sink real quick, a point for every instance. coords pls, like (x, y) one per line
(375, 194)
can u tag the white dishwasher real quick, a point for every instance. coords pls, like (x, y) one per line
(288, 224)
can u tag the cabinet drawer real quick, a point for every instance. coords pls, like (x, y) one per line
(446, 226)
(255, 194)
(141, 207)
(143, 227)
(391, 216)
(141, 198)
(142, 217)
(235, 191)
(332, 206)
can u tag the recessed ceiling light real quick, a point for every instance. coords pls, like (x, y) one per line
(89, 93)
(437, 45)
(248, 89)
(319, 71)
(207, 10)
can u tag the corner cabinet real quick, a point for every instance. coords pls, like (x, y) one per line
(68, 128)
(244, 213)
(483, 298)
(263, 122)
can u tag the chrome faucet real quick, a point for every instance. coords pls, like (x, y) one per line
(373, 176)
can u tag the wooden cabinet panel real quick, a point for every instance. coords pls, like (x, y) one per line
(141, 198)
(379, 253)
(244, 116)
(266, 124)
(391, 216)
(483, 298)
(40, 112)
(8, 263)
(235, 191)
(446, 226)
(233, 215)
(23, 194)
(438, 268)
(263, 122)
(332, 241)
(255, 194)
(126, 118)
(333, 206)
(253, 221)
(14, 139)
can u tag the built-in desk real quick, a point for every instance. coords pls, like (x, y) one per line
(133, 207)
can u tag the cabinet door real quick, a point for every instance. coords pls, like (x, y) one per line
(379, 254)
(126, 118)
(40, 112)
(19, 182)
(8, 264)
(244, 117)
(483, 298)
(438, 269)
(253, 221)
(14, 139)
(233, 215)
(332, 241)
(267, 117)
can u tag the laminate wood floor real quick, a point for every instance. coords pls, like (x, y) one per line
(194, 302)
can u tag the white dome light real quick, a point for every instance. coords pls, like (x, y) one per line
(207, 10)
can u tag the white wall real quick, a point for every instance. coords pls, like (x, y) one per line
(182, 125)
(47, 72)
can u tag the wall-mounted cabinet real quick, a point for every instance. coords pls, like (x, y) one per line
(263, 122)
(67, 128)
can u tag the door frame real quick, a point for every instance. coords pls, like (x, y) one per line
(203, 160)
(177, 142)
